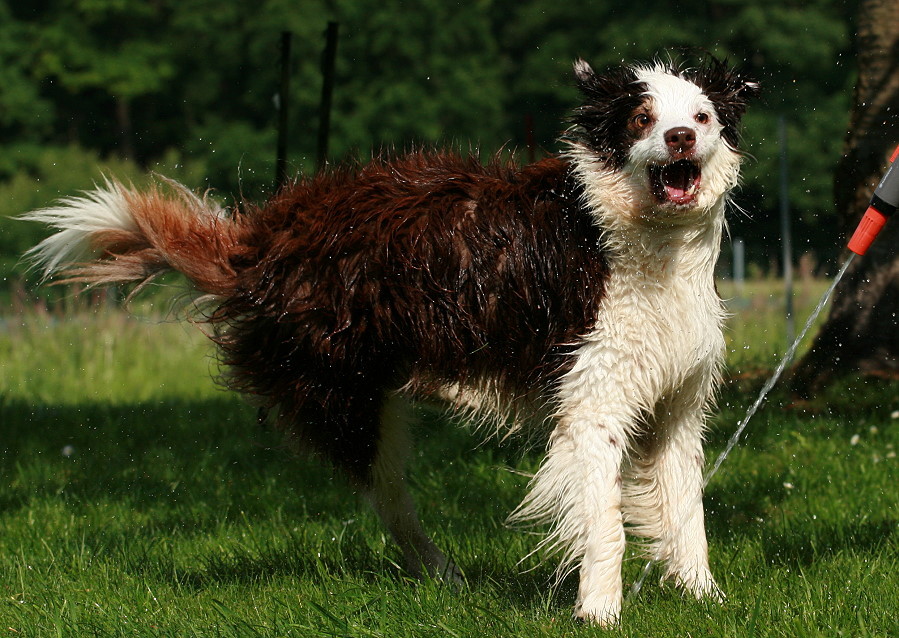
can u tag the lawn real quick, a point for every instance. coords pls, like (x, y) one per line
(139, 499)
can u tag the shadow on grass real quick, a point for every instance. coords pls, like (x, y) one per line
(802, 547)
(729, 508)
(355, 563)
(295, 560)
(848, 400)
(148, 455)
(211, 458)
(188, 468)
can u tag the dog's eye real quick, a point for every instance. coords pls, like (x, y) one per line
(702, 118)
(642, 120)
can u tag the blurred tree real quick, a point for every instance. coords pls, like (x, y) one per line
(424, 75)
(198, 77)
(23, 112)
(860, 334)
(97, 57)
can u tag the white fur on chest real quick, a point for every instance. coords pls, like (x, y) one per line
(658, 338)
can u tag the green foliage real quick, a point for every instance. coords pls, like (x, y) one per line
(199, 78)
(437, 76)
(104, 45)
(24, 114)
(44, 174)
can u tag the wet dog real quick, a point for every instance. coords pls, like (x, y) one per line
(581, 284)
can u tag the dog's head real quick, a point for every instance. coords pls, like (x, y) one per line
(658, 142)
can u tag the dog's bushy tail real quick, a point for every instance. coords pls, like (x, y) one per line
(114, 234)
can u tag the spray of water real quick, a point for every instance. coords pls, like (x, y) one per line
(787, 358)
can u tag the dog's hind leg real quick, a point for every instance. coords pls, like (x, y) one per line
(389, 495)
(363, 432)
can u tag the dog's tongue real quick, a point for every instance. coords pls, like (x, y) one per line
(675, 194)
(680, 181)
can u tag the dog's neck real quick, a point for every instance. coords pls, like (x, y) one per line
(655, 244)
(661, 252)
(644, 240)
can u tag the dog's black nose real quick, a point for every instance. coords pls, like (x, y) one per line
(680, 140)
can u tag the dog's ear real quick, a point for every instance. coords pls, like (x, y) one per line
(600, 122)
(583, 71)
(728, 88)
(600, 88)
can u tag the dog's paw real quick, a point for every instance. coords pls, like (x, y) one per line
(436, 567)
(603, 612)
(709, 591)
(449, 573)
(701, 586)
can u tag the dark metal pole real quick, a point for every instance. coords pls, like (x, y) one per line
(785, 233)
(324, 112)
(529, 137)
(283, 104)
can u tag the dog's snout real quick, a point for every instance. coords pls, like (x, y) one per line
(680, 140)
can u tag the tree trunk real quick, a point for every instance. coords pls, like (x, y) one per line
(126, 129)
(861, 334)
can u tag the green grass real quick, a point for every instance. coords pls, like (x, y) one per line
(757, 335)
(139, 499)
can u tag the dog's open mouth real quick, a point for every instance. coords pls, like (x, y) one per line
(676, 183)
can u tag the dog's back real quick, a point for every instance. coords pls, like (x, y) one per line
(426, 269)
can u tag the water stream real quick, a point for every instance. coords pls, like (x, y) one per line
(787, 358)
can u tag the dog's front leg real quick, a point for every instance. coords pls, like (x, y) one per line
(577, 490)
(677, 468)
(598, 451)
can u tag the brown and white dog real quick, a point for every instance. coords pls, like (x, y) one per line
(583, 282)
